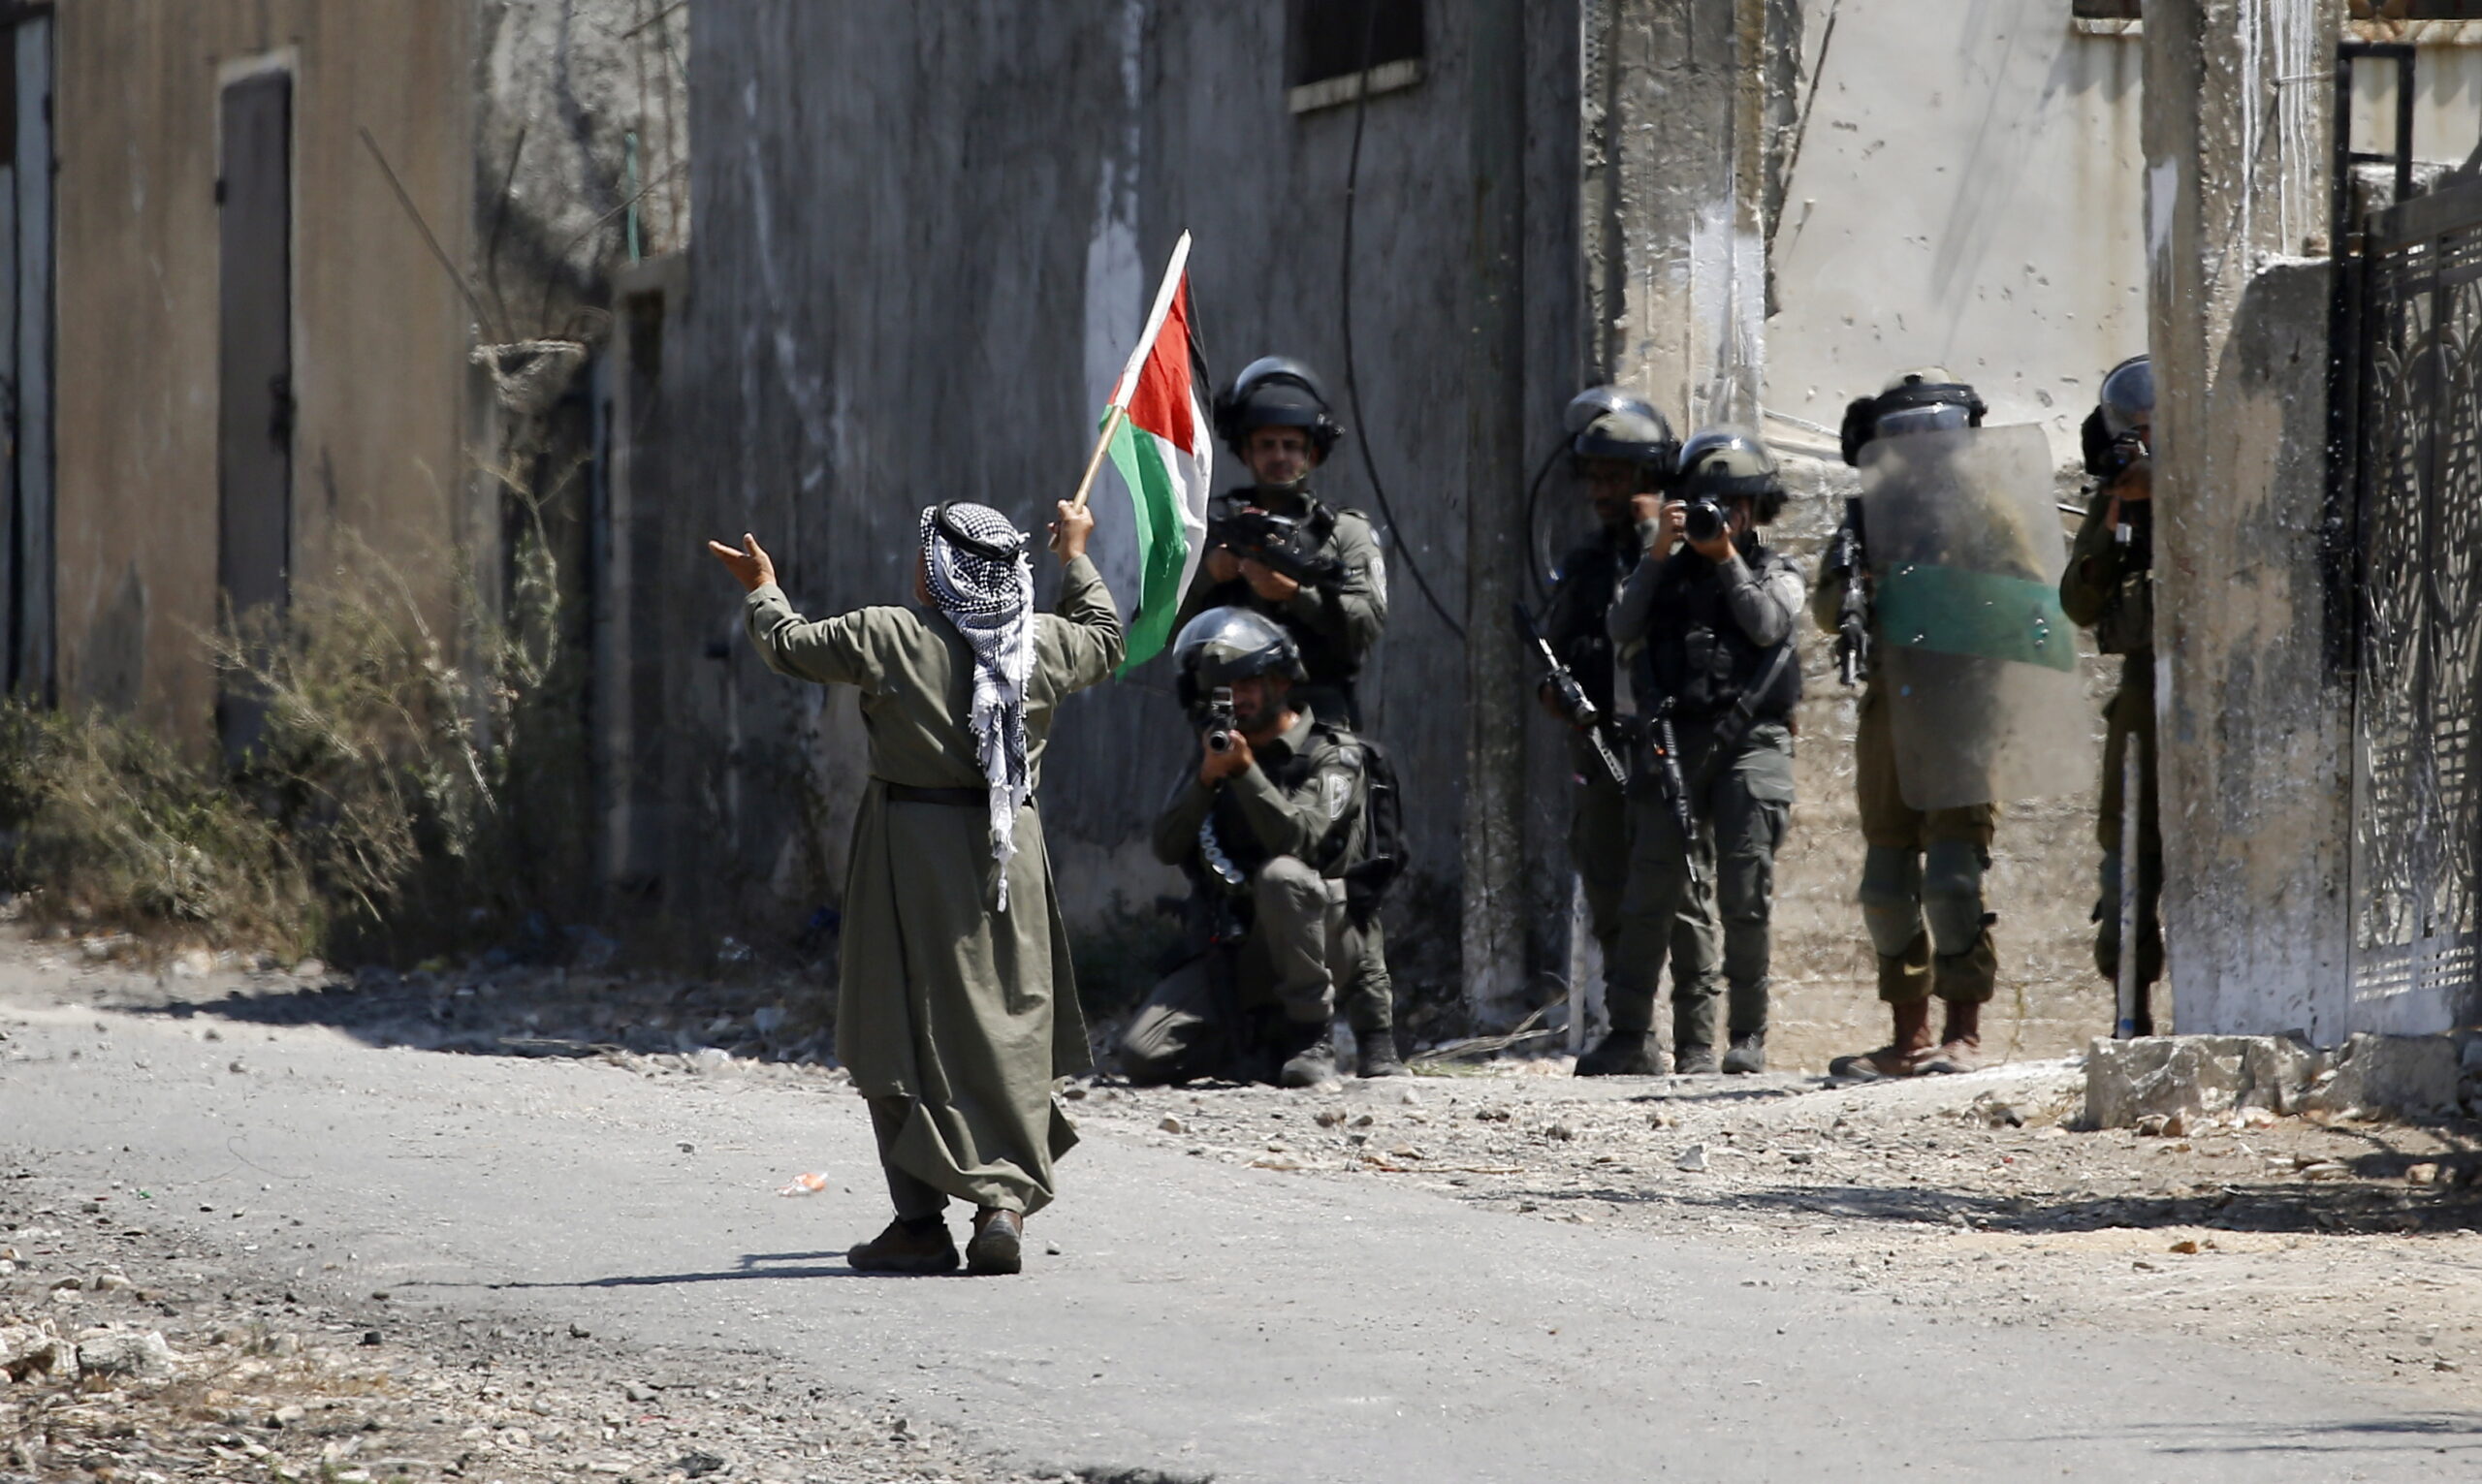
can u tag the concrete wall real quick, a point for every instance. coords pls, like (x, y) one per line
(2254, 792)
(1965, 190)
(379, 334)
(925, 241)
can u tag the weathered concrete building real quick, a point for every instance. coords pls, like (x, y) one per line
(238, 351)
(1743, 207)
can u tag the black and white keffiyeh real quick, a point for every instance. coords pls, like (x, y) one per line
(975, 565)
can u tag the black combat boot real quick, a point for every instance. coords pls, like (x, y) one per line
(1623, 1054)
(1376, 1052)
(1748, 1054)
(1694, 1058)
(1313, 1062)
(998, 1245)
(906, 1247)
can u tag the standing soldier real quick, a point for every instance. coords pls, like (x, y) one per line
(2109, 587)
(956, 1003)
(1624, 451)
(1709, 614)
(1278, 550)
(1274, 828)
(1945, 597)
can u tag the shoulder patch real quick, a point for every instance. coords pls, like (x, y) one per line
(1335, 791)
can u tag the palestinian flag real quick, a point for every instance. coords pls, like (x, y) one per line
(1161, 441)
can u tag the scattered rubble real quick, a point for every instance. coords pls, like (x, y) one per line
(182, 1366)
(1986, 1193)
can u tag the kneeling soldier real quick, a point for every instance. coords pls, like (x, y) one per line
(956, 1006)
(1268, 828)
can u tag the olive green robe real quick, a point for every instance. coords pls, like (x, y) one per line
(966, 1011)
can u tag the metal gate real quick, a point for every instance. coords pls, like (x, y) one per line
(2407, 520)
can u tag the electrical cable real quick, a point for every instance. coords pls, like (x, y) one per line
(1352, 387)
(1534, 529)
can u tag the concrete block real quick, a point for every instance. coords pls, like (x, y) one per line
(2191, 1076)
(2126, 1081)
(2393, 1074)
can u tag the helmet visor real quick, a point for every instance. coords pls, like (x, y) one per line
(1922, 417)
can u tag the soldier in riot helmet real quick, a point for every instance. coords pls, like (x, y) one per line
(1922, 872)
(1623, 450)
(2109, 587)
(1313, 568)
(1706, 624)
(1276, 829)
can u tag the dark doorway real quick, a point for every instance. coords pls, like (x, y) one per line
(254, 430)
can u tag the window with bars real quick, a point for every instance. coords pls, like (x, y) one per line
(1337, 49)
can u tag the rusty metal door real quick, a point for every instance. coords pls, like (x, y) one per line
(25, 355)
(254, 430)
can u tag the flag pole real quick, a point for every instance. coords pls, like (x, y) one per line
(1118, 412)
(1102, 445)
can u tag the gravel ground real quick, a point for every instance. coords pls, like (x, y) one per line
(1974, 1198)
(309, 1384)
(1973, 1193)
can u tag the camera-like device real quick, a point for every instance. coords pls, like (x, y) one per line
(1704, 520)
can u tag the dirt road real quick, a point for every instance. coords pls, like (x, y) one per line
(1505, 1277)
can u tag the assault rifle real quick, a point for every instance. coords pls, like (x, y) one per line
(1853, 610)
(1278, 543)
(1574, 703)
(1663, 744)
(1220, 725)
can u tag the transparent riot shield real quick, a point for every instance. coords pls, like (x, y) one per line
(1976, 659)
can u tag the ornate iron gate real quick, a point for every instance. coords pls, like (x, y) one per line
(2408, 515)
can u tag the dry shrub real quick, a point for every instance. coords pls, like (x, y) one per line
(375, 814)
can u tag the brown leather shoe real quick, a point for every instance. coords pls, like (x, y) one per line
(897, 1250)
(998, 1245)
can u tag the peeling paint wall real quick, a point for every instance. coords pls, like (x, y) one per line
(582, 138)
(924, 241)
(2255, 797)
(1964, 191)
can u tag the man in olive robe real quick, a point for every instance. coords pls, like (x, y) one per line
(956, 1004)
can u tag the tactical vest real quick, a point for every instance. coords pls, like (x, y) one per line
(1584, 588)
(1699, 656)
(1327, 748)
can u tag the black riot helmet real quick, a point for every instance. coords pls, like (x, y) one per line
(1916, 401)
(2127, 400)
(1275, 391)
(1607, 423)
(1730, 463)
(2121, 428)
(1225, 645)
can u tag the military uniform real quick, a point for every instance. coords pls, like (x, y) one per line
(1576, 625)
(1922, 872)
(1708, 635)
(953, 1018)
(1334, 627)
(2110, 589)
(1268, 849)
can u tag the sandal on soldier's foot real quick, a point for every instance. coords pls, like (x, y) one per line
(1882, 1066)
(899, 1251)
(998, 1245)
